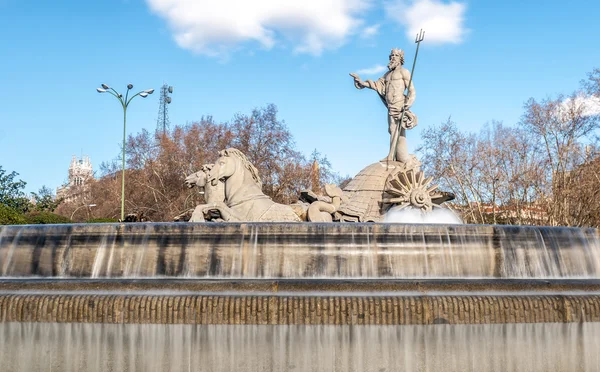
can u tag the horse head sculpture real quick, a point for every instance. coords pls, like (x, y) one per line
(232, 161)
(199, 178)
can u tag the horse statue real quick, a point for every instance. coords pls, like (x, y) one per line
(243, 197)
(213, 191)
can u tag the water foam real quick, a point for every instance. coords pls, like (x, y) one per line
(413, 215)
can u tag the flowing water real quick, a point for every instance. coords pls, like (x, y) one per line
(298, 251)
(73, 260)
(32, 347)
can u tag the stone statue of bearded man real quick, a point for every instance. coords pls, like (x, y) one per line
(391, 88)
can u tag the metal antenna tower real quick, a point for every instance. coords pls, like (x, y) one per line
(163, 112)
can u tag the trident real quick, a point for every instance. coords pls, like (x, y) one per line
(393, 147)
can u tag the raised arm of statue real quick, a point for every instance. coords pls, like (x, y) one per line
(378, 85)
(358, 83)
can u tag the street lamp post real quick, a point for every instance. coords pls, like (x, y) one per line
(81, 206)
(124, 103)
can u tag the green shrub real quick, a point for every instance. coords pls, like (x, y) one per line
(43, 217)
(9, 216)
(102, 220)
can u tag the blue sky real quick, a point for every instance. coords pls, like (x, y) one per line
(480, 61)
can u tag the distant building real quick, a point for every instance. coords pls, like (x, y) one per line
(80, 173)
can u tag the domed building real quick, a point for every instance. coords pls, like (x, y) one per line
(80, 172)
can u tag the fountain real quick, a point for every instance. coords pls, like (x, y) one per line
(302, 296)
(266, 292)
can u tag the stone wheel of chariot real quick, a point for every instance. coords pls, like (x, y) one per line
(411, 188)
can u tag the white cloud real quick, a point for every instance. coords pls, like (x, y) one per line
(215, 27)
(377, 69)
(442, 22)
(369, 32)
(589, 105)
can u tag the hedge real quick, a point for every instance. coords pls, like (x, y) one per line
(9, 216)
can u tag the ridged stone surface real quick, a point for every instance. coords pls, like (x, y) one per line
(313, 310)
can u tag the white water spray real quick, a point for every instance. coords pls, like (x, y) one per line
(413, 215)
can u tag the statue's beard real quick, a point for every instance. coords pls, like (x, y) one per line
(393, 64)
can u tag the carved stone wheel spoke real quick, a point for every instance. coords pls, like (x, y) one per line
(411, 188)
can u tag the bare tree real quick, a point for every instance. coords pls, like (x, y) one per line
(543, 171)
(158, 163)
(563, 128)
(592, 85)
(447, 156)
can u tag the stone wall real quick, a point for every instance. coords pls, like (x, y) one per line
(308, 310)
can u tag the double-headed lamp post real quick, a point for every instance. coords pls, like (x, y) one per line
(125, 103)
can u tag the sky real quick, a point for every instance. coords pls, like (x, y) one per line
(480, 61)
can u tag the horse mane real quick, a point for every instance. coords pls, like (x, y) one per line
(245, 162)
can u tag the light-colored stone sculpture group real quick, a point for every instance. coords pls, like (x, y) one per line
(233, 188)
(233, 192)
